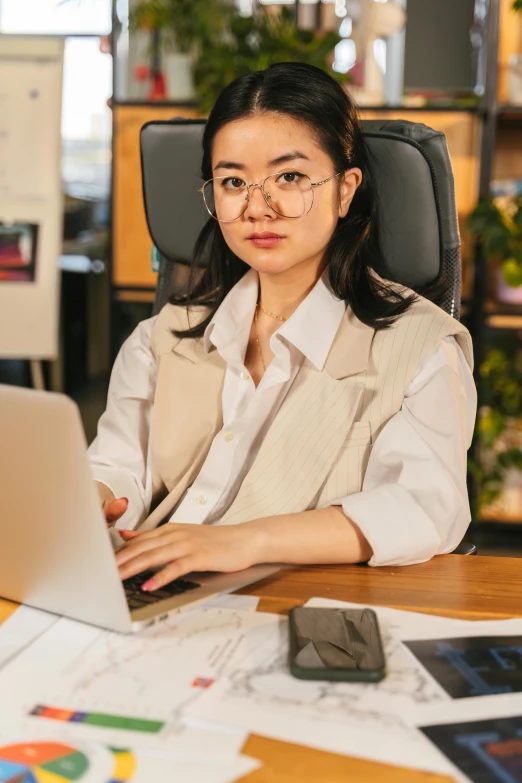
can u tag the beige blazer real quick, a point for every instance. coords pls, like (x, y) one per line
(318, 446)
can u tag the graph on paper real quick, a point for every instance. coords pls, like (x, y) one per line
(56, 762)
(139, 683)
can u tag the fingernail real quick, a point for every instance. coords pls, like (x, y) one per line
(148, 585)
(122, 533)
(126, 500)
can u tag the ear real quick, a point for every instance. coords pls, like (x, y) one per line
(349, 183)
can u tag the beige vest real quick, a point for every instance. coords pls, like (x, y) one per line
(318, 446)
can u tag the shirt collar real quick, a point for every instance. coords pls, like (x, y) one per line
(229, 328)
(311, 328)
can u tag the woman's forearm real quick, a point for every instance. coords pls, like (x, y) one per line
(320, 536)
(312, 537)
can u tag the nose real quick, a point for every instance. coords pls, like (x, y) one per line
(257, 207)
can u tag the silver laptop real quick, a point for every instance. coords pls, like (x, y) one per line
(55, 549)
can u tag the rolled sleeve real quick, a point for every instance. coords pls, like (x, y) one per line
(414, 501)
(120, 454)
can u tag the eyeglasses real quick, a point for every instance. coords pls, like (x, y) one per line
(289, 194)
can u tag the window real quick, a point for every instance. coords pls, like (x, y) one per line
(86, 119)
(87, 84)
(58, 17)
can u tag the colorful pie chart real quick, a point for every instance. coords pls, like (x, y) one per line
(41, 762)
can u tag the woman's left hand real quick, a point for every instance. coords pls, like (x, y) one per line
(183, 548)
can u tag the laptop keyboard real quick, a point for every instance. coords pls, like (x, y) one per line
(138, 598)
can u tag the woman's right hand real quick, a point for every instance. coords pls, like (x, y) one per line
(112, 507)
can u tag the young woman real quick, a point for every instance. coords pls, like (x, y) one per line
(295, 407)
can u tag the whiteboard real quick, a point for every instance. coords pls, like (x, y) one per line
(31, 204)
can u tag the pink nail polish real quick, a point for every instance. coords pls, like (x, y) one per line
(148, 586)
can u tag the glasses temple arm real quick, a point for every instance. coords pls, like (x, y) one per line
(315, 184)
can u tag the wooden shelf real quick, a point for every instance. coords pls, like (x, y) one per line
(502, 519)
(513, 322)
(450, 107)
(509, 117)
(499, 315)
(508, 108)
(493, 307)
(157, 104)
(380, 107)
(134, 295)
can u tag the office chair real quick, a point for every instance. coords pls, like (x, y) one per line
(413, 176)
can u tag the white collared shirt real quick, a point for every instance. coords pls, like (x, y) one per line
(413, 502)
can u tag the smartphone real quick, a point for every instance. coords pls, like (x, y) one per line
(336, 644)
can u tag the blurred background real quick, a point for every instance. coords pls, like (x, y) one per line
(92, 72)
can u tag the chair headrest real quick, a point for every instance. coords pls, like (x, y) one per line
(410, 164)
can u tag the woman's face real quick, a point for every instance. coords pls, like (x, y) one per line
(249, 150)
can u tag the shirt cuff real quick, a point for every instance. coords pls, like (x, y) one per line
(404, 537)
(122, 486)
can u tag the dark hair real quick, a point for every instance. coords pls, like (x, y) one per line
(309, 94)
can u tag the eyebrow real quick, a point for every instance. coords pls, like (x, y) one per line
(295, 155)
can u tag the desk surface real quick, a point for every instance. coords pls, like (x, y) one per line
(475, 588)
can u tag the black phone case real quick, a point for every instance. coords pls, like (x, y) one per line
(333, 674)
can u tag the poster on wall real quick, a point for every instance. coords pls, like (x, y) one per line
(18, 242)
(31, 203)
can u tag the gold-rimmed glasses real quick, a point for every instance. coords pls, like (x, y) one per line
(290, 194)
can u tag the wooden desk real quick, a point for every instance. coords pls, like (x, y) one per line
(473, 588)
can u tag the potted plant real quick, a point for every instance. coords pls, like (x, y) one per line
(498, 468)
(253, 43)
(497, 225)
(178, 28)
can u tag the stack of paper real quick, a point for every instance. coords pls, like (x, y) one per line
(436, 670)
(93, 706)
(188, 691)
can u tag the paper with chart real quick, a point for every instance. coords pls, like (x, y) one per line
(29, 755)
(258, 693)
(116, 688)
(466, 660)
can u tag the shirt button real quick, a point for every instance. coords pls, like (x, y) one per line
(245, 376)
(229, 436)
(201, 499)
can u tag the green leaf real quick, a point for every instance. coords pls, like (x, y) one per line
(517, 217)
(496, 240)
(490, 427)
(485, 215)
(512, 272)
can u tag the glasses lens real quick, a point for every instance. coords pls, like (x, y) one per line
(225, 197)
(290, 193)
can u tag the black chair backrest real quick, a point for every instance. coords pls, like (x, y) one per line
(414, 180)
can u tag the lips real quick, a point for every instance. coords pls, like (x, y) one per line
(265, 239)
(265, 235)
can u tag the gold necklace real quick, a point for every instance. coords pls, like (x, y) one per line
(272, 315)
(257, 338)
